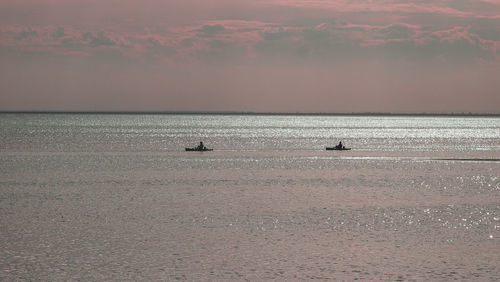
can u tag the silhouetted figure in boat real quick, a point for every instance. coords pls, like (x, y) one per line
(201, 146)
(340, 146)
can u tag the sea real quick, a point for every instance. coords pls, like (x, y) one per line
(115, 197)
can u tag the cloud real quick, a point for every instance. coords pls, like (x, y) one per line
(240, 41)
(27, 34)
(397, 31)
(59, 32)
(210, 30)
(278, 49)
(463, 8)
(155, 49)
(71, 43)
(99, 40)
(365, 42)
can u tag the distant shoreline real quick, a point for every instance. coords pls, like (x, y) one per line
(250, 113)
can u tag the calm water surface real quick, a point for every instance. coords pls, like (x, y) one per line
(115, 197)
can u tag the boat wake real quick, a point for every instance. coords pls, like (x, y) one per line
(469, 160)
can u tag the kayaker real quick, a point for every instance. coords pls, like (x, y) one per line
(201, 146)
(340, 146)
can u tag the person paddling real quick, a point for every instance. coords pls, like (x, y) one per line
(201, 146)
(340, 146)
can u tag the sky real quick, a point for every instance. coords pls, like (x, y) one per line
(398, 56)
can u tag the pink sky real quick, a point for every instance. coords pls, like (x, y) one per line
(250, 55)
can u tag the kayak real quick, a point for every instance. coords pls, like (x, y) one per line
(338, 149)
(198, 150)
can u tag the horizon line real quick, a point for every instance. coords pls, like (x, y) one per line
(255, 113)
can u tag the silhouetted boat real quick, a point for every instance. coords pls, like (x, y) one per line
(198, 149)
(338, 148)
